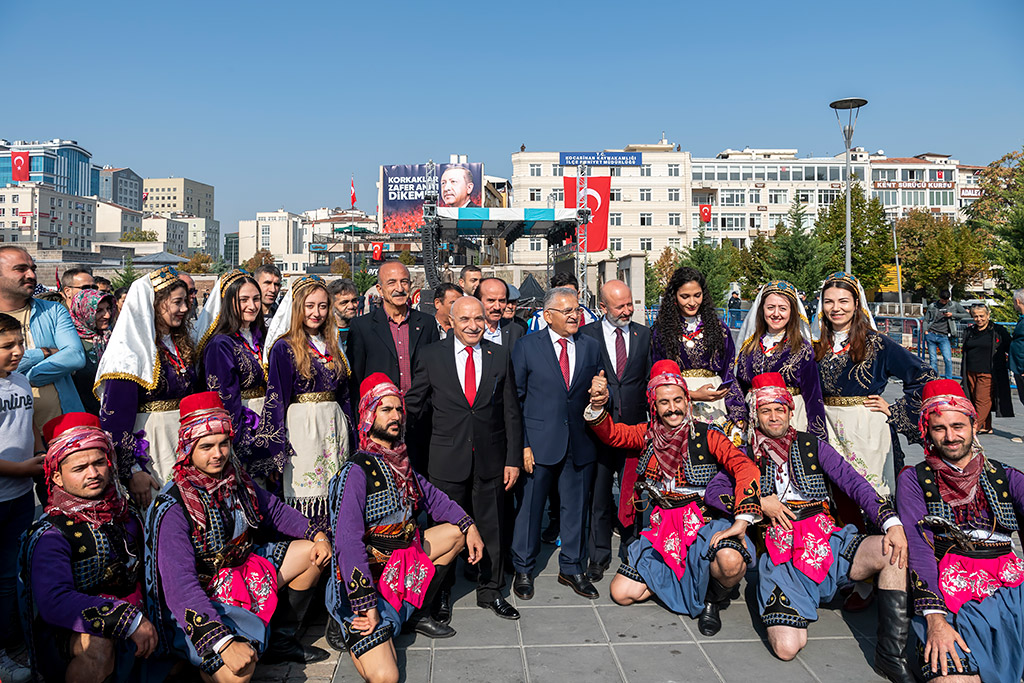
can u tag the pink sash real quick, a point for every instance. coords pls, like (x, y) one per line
(672, 532)
(407, 575)
(962, 579)
(252, 586)
(133, 598)
(806, 545)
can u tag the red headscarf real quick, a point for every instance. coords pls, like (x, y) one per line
(957, 487)
(770, 387)
(372, 391)
(669, 444)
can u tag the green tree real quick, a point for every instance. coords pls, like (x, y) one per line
(127, 275)
(754, 262)
(871, 240)
(715, 262)
(937, 252)
(139, 236)
(407, 258)
(364, 280)
(656, 275)
(1002, 189)
(220, 266)
(796, 254)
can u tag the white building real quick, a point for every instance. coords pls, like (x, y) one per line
(171, 232)
(113, 221)
(281, 233)
(32, 212)
(203, 235)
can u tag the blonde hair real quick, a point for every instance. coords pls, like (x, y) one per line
(298, 338)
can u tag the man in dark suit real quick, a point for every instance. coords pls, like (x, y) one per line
(389, 339)
(625, 351)
(554, 368)
(476, 441)
(493, 294)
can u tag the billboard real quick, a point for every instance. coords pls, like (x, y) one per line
(402, 187)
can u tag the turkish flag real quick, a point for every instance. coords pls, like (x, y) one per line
(19, 166)
(353, 192)
(598, 190)
(145, 196)
(939, 175)
(378, 251)
(705, 213)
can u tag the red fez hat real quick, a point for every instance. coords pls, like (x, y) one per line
(665, 367)
(768, 379)
(372, 381)
(62, 423)
(942, 387)
(205, 400)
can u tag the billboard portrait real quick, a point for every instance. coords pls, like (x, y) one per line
(403, 186)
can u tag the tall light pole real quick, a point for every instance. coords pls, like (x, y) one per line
(852, 106)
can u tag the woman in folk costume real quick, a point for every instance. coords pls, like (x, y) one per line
(688, 332)
(305, 425)
(232, 353)
(856, 363)
(147, 367)
(776, 337)
(217, 594)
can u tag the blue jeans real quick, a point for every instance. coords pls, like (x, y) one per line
(937, 342)
(15, 517)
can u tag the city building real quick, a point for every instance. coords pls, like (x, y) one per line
(34, 212)
(62, 165)
(113, 221)
(178, 195)
(122, 186)
(171, 233)
(231, 249)
(281, 233)
(203, 235)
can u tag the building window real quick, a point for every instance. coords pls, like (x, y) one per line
(535, 170)
(615, 219)
(778, 196)
(754, 196)
(535, 194)
(775, 219)
(675, 219)
(940, 197)
(696, 173)
(615, 171)
(646, 219)
(615, 194)
(912, 174)
(645, 194)
(615, 243)
(755, 221)
(941, 175)
(805, 196)
(673, 194)
(675, 242)
(646, 244)
(827, 197)
(883, 174)
(673, 170)
(645, 170)
(535, 244)
(732, 197)
(703, 198)
(556, 171)
(887, 197)
(559, 194)
(14, 199)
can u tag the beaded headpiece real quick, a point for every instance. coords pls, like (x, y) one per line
(307, 281)
(163, 277)
(232, 276)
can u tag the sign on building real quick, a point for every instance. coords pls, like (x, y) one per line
(599, 158)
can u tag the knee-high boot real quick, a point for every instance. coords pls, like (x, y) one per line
(710, 621)
(284, 645)
(893, 629)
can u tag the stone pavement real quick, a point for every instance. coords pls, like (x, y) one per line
(563, 638)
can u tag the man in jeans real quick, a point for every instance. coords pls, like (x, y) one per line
(939, 325)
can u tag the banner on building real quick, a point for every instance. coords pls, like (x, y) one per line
(403, 186)
(20, 166)
(705, 213)
(598, 190)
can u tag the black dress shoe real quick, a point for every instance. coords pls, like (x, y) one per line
(432, 628)
(443, 606)
(522, 586)
(501, 607)
(709, 622)
(579, 583)
(335, 635)
(550, 534)
(595, 572)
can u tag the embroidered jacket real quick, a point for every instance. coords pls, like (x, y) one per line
(798, 369)
(232, 369)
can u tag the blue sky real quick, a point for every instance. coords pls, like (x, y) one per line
(278, 104)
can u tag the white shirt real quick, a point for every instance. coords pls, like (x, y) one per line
(571, 350)
(319, 344)
(441, 332)
(839, 341)
(609, 339)
(690, 323)
(169, 345)
(460, 363)
(494, 336)
(769, 340)
(246, 335)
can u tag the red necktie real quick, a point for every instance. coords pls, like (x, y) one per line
(620, 353)
(470, 376)
(563, 361)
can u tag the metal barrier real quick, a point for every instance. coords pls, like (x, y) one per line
(733, 318)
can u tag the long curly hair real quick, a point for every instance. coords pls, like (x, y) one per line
(669, 324)
(182, 334)
(859, 330)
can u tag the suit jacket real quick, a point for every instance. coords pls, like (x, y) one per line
(481, 439)
(510, 334)
(553, 423)
(627, 397)
(371, 348)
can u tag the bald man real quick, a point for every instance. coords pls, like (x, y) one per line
(465, 386)
(625, 350)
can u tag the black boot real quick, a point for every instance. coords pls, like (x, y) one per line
(335, 635)
(710, 621)
(421, 620)
(284, 645)
(893, 628)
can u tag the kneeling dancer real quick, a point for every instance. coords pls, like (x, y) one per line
(809, 558)
(686, 557)
(385, 572)
(966, 580)
(81, 564)
(214, 591)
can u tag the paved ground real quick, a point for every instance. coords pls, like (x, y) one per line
(563, 638)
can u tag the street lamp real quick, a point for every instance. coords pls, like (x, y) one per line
(852, 106)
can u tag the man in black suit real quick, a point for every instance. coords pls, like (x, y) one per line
(554, 368)
(476, 441)
(625, 350)
(389, 339)
(493, 294)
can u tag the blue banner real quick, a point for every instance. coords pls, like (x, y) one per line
(599, 158)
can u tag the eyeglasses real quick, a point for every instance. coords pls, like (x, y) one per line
(193, 292)
(567, 311)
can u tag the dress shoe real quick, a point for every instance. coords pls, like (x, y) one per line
(579, 583)
(431, 628)
(595, 572)
(709, 622)
(550, 534)
(522, 586)
(443, 606)
(335, 635)
(501, 607)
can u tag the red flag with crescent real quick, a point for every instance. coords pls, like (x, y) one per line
(598, 190)
(20, 166)
(353, 192)
(705, 213)
(378, 251)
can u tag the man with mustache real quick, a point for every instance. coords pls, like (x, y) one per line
(809, 558)
(476, 442)
(493, 294)
(686, 557)
(966, 581)
(82, 562)
(385, 570)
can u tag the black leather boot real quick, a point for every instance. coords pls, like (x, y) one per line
(893, 628)
(710, 621)
(421, 620)
(284, 645)
(335, 635)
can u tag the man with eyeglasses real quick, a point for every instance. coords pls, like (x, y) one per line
(74, 280)
(554, 369)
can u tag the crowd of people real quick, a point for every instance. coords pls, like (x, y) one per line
(209, 473)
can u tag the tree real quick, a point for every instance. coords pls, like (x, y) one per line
(139, 235)
(220, 266)
(656, 275)
(364, 280)
(796, 255)
(715, 262)
(339, 266)
(938, 253)
(752, 269)
(1002, 189)
(126, 276)
(199, 263)
(871, 241)
(260, 258)
(407, 258)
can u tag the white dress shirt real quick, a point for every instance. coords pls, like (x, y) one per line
(571, 350)
(609, 339)
(460, 363)
(494, 336)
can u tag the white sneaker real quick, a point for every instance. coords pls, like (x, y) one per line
(11, 671)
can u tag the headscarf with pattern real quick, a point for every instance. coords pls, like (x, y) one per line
(770, 387)
(374, 389)
(958, 487)
(111, 506)
(83, 313)
(670, 444)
